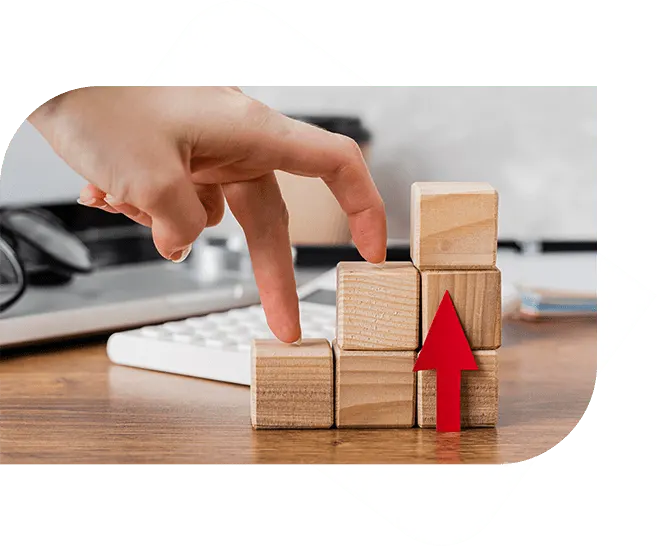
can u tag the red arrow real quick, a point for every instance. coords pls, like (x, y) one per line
(446, 350)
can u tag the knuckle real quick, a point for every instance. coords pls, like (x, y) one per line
(150, 192)
(139, 194)
(351, 149)
(257, 113)
(168, 184)
(350, 158)
(215, 212)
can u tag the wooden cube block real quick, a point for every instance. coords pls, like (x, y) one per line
(479, 394)
(374, 389)
(378, 307)
(453, 225)
(477, 297)
(291, 386)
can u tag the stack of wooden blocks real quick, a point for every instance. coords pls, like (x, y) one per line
(454, 245)
(366, 379)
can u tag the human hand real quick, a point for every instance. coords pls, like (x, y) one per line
(168, 157)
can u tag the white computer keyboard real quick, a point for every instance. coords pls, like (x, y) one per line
(216, 346)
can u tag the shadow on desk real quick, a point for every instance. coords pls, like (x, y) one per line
(71, 404)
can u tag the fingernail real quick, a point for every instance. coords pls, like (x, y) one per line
(181, 255)
(380, 265)
(297, 342)
(111, 200)
(86, 202)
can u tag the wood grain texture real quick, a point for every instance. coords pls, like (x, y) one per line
(479, 394)
(291, 386)
(69, 404)
(378, 307)
(453, 225)
(477, 297)
(374, 389)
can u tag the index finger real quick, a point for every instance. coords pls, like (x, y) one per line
(259, 208)
(310, 151)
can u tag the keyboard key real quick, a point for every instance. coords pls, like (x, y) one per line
(209, 333)
(217, 317)
(199, 322)
(206, 328)
(151, 331)
(240, 339)
(179, 326)
(214, 342)
(183, 338)
(218, 334)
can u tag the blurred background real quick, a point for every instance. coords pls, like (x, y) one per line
(536, 145)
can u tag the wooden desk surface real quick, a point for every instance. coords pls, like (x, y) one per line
(70, 405)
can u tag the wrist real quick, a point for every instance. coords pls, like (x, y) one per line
(58, 119)
(44, 113)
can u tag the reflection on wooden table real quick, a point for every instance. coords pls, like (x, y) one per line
(68, 404)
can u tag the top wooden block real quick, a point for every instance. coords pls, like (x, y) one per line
(453, 225)
(378, 307)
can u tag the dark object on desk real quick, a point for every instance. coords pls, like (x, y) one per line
(330, 255)
(350, 126)
(44, 234)
(569, 246)
(308, 255)
(37, 249)
(113, 239)
(12, 276)
(311, 255)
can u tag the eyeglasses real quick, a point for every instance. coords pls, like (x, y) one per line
(12, 276)
(35, 236)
